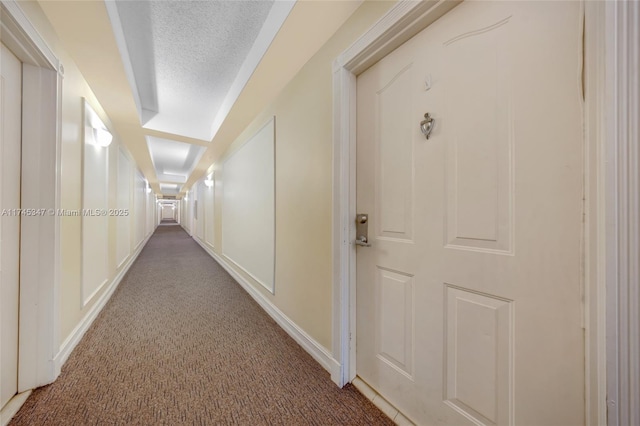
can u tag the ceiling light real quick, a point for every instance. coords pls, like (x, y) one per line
(102, 137)
(209, 181)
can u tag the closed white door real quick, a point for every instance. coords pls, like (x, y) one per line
(10, 132)
(469, 299)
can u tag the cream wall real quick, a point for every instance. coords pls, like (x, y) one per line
(74, 89)
(303, 111)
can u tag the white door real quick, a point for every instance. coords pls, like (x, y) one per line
(469, 299)
(167, 211)
(10, 125)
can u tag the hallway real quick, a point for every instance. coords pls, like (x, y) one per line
(228, 212)
(180, 342)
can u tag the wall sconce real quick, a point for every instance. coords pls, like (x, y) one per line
(209, 181)
(102, 136)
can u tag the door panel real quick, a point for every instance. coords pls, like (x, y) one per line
(10, 145)
(468, 301)
(478, 161)
(394, 306)
(394, 157)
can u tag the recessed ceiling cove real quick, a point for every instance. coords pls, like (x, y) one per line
(173, 161)
(188, 61)
(170, 188)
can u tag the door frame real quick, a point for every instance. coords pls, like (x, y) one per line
(400, 23)
(618, 107)
(42, 75)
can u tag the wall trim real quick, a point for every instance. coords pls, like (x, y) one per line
(24, 40)
(399, 24)
(321, 354)
(79, 331)
(622, 204)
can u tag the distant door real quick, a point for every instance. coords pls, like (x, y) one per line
(10, 145)
(168, 212)
(469, 299)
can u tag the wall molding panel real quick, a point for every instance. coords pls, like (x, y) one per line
(248, 207)
(123, 203)
(95, 199)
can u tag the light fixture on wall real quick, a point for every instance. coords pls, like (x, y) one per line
(101, 136)
(209, 181)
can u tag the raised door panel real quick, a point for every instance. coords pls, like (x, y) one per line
(394, 320)
(479, 355)
(479, 137)
(394, 157)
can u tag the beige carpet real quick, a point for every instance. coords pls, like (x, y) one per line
(181, 342)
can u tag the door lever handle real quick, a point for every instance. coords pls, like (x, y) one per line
(362, 241)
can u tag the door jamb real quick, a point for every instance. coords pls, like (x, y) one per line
(40, 239)
(620, 208)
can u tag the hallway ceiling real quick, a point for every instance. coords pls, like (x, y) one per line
(185, 55)
(182, 59)
(180, 80)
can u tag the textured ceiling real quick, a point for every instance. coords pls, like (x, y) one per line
(184, 59)
(185, 56)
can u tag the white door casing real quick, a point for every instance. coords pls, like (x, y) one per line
(42, 78)
(621, 246)
(10, 145)
(478, 226)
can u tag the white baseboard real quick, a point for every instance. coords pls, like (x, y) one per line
(12, 407)
(308, 343)
(76, 335)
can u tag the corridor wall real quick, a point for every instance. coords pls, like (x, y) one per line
(248, 223)
(95, 251)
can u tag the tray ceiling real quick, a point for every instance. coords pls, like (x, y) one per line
(92, 33)
(187, 62)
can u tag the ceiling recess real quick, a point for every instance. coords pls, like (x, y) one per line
(185, 59)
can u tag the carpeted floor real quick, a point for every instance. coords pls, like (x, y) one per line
(181, 342)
